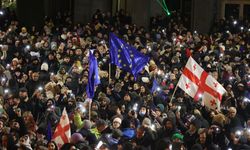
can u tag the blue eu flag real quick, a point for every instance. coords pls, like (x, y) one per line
(125, 56)
(155, 86)
(93, 78)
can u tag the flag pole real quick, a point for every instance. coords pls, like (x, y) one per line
(90, 109)
(109, 73)
(173, 93)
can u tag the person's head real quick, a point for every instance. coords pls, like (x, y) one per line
(135, 86)
(118, 87)
(51, 56)
(52, 145)
(146, 123)
(140, 132)
(202, 136)
(35, 76)
(168, 124)
(232, 112)
(127, 97)
(193, 127)
(27, 116)
(66, 59)
(95, 106)
(101, 125)
(116, 122)
(76, 138)
(23, 93)
(104, 101)
(143, 89)
(143, 111)
(177, 138)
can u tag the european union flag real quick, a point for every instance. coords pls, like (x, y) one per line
(93, 78)
(155, 86)
(125, 56)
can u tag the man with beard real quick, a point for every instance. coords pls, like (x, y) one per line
(25, 103)
(168, 129)
(17, 125)
(33, 83)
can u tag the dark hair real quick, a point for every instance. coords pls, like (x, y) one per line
(56, 148)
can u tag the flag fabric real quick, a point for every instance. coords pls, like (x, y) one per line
(62, 133)
(125, 56)
(155, 86)
(93, 77)
(198, 84)
(49, 132)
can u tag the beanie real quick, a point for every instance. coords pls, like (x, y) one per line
(76, 137)
(146, 122)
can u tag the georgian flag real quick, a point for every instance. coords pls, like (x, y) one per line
(62, 133)
(198, 84)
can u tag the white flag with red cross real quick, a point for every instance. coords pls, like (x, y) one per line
(62, 133)
(198, 84)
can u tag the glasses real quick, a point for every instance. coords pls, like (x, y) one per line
(116, 122)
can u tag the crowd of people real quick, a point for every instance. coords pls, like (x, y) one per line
(44, 71)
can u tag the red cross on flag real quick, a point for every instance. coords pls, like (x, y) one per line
(198, 84)
(62, 133)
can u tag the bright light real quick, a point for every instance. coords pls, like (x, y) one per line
(248, 29)
(245, 99)
(248, 130)
(195, 31)
(166, 76)
(40, 88)
(135, 107)
(82, 108)
(235, 22)
(158, 89)
(228, 31)
(241, 28)
(51, 73)
(229, 148)
(221, 55)
(3, 79)
(6, 91)
(170, 146)
(1, 13)
(153, 127)
(231, 78)
(149, 48)
(178, 108)
(99, 145)
(238, 132)
(27, 47)
(159, 72)
(200, 95)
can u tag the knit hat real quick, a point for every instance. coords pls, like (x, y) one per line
(161, 107)
(45, 67)
(117, 119)
(76, 137)
(177, 136)
(146, 122)
(87, 124)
